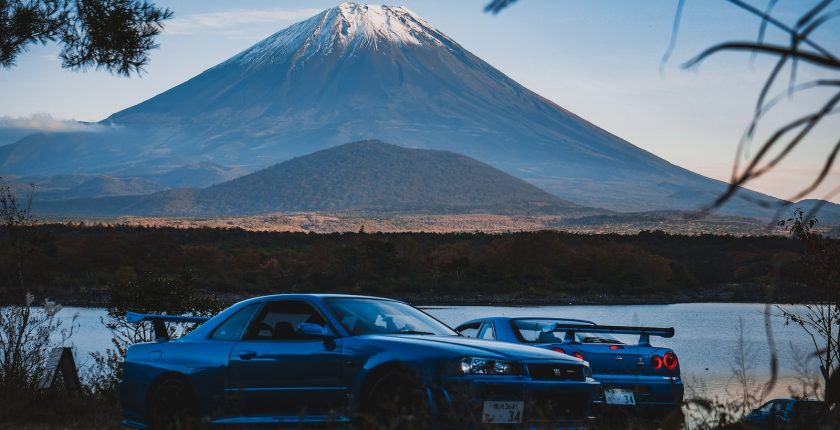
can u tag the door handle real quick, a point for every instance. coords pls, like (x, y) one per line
(246, 355)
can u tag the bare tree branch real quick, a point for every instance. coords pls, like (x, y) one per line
(675, 29)
(762, 28)
(496, 6)
(811, 57)
(780, 25)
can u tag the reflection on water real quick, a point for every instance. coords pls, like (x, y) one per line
(706, 334)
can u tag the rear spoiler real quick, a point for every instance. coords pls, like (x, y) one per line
(644, 332)
(159, 320)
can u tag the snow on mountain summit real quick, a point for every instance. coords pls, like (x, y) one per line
(343, 30)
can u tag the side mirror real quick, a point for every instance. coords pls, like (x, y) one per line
(314, 330)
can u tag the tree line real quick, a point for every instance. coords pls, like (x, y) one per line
(82, 262)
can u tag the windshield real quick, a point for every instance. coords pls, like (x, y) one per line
(373, 316)
(531, 330)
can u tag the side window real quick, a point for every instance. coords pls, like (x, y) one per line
(469, 330)
(781, 407)
(234, 326)
(280, 320)
(487, 331)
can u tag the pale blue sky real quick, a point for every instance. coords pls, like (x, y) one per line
(598, 59)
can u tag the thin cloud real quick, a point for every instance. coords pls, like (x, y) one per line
(225, 21)
(45, 122)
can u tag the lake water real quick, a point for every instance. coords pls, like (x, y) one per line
(706, 340)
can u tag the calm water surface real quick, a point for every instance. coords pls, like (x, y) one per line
(706, 338)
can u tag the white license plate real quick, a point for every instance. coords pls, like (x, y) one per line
(617, 396)
(502, 412)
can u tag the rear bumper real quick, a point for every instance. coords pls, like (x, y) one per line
(655, 396)
(459, 402)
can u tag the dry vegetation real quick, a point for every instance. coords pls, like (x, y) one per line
(674, 223)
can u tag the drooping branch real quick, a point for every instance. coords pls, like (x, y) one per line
(792, 54)
(496, 6)
(801, 49)
(675, 30)
(766, 48)
(766, 18)
(753, 171)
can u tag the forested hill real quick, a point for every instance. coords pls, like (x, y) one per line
(367, 176)
(375, 176)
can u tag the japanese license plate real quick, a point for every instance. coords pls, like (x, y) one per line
(617, 396)
(502, 412)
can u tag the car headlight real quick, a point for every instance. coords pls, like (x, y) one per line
(587, 370)
(487, 366)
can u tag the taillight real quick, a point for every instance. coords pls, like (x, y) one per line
(670, 361)
(656, 362)
(563, 351)
(614, 347)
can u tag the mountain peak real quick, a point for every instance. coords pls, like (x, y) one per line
(343, 30)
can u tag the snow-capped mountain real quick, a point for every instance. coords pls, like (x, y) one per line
(357, 72)
(343, 31)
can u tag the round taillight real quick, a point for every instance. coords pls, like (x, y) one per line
(563, 351)
(656, 362)
(670, 361)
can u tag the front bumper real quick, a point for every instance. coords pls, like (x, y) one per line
(459, 401)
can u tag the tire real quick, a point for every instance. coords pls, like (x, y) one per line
(171, 407)
(397, 401)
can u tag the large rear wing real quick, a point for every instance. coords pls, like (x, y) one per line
(644, 332)
(159, 320)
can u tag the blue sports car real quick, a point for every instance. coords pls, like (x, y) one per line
(641, 378)
(360, 361)
(789, 414)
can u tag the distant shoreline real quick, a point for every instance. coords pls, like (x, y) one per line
(502, 300)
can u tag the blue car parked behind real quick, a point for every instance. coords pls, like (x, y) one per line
(343, 359)
(778, 414)
(638, 378)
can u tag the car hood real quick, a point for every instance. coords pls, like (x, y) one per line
(469, 346)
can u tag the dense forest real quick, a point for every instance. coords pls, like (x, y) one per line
(78, 264)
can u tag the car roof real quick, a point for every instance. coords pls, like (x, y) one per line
(304, 296)
(791, 399)
(205, 329)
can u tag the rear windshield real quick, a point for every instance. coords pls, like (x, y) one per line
(531, 330)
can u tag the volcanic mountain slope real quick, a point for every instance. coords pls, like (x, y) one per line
(357, 72)
(368, 176)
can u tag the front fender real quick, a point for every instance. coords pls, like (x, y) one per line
(374, 359)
